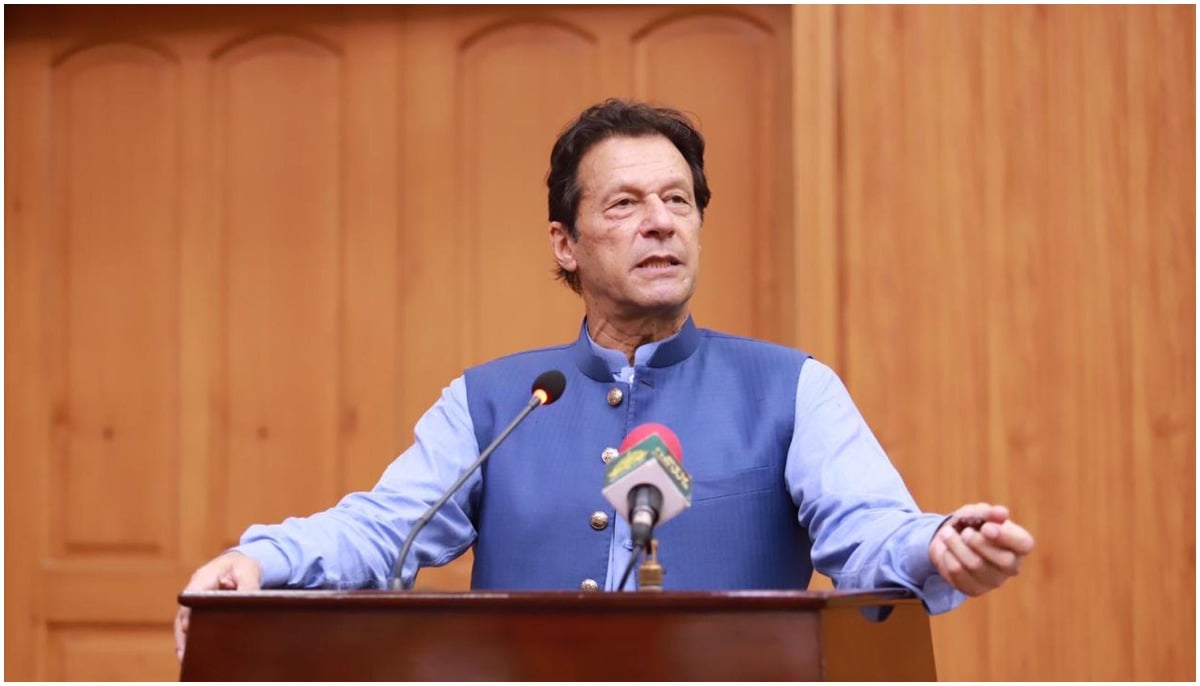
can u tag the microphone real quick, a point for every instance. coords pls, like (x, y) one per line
(546, 389)
(646, 483)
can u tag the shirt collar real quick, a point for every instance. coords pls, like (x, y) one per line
(602, 364)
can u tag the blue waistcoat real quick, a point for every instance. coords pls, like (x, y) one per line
(732, 403)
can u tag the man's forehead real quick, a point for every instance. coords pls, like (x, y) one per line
(623, 159)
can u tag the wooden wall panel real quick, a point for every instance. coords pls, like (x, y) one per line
(318, 305)
(737, 105)
(114, 319)
(519, 84)
(431, 284)
(124, 196)
(370, 429)
(1001, 259)
(280, 167)
(83, 653)
(26, 393)
(1159, 105)
(993, 242)
(815, 259)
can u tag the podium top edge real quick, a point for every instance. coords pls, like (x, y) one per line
(680, 600)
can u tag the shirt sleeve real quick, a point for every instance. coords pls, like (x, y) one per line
(867, 530)
(355, 543)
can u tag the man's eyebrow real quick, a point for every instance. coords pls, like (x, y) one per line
(629, 187)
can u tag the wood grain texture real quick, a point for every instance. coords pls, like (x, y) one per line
(26, 405)
(90, 653)
(766, 636)
(113, 334)
(518, 83)
(279, 156)
(739, 110)
(982, 217)
(1019, 269)
(816, 257)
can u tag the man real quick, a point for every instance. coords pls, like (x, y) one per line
(786, 475)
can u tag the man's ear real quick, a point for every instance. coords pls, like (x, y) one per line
(563, 246)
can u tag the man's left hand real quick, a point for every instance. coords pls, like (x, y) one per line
(976, 560)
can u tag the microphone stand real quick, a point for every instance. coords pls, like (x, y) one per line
(650, 573)
(397, 583)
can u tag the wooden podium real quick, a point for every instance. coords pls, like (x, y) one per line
(552, 636)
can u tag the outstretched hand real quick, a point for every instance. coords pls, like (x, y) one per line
(979, 548)
(232, 571)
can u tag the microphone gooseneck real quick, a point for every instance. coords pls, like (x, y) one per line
(547, 388)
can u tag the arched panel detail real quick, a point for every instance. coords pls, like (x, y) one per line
(247, 45)
(518, 84)
(279, 148)
(112, 316)
(670, 22)
(738, 107)
(499, 29)
(84, 54)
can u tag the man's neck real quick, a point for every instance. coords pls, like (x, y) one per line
(625, 335)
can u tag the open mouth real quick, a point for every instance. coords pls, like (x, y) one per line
(658, 262)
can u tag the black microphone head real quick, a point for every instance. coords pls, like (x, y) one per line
(549, 385)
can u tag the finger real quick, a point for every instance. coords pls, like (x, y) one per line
(181, 628)
(964, 563)
(248, 574)
(227, 581)
(949, 566)
(955, 574)
(980, 565)
(976, 572)
(1002, 559)
(986, 512)
(207, 578)
(974, 515)
(1009, 535)
(997, 514)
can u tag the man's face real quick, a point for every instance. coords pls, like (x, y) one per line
(638, 251)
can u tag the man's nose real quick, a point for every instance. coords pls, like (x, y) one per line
(658, 219)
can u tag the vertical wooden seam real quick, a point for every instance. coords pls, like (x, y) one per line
(817, 171)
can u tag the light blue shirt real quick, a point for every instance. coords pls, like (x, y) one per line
(833, 457)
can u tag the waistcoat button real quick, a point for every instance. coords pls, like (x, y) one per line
(599, 521)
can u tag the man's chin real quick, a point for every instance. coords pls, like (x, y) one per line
(666, 303)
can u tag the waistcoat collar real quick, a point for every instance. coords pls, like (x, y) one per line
(670, 352)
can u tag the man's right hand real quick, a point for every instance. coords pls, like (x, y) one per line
(232, 571)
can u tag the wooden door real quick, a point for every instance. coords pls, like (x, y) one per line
(245, 248)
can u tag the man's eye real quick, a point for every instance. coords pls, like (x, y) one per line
(623, 202)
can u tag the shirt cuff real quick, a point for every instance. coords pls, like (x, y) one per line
(939, 596)
(936, 593)
(275, 566)
(917, 566)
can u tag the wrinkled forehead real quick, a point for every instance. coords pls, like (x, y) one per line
(648, 162)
